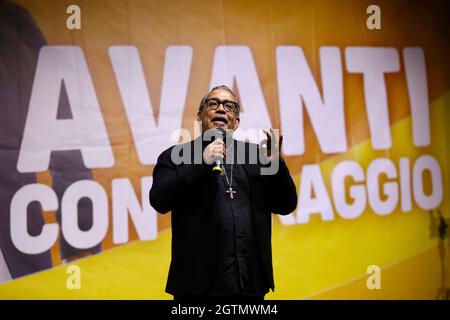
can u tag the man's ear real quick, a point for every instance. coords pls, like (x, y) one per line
(236, 125)
(199, 118)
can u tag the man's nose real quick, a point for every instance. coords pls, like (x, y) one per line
(221, 108)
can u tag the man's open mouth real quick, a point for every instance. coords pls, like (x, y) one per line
(219, 119)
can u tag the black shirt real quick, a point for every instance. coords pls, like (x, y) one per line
(240, 269)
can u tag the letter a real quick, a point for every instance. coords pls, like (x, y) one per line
(74, 280)
(374, 20)
(74, 20)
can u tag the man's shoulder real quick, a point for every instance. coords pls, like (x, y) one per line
(166, 152)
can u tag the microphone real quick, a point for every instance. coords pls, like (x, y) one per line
(217, 169)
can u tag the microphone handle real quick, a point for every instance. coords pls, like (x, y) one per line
(218, 168)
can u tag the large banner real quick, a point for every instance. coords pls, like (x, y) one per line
(91, 92)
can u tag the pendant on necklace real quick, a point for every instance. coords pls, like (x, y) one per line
(231, 192)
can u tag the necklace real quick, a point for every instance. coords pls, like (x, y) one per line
(230, 190)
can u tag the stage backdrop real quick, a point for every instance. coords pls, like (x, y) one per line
(92, 93)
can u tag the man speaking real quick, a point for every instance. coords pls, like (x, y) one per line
(221, 202)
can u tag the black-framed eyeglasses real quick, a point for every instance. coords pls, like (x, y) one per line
(214, 103)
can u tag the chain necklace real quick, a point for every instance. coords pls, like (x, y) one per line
(230, 190)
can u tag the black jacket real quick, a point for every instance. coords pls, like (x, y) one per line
(186, 190)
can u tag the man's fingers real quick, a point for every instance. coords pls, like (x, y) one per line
(275, 137)
(218, 151)
(214, 150)
(218, 142)
(269, 136)
(268, 142)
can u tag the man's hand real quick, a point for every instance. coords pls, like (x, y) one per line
(273, 145)
(214, 150)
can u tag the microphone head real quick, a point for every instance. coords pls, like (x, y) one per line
(221, 133)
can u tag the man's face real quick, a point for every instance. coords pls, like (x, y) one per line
(220, 117)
